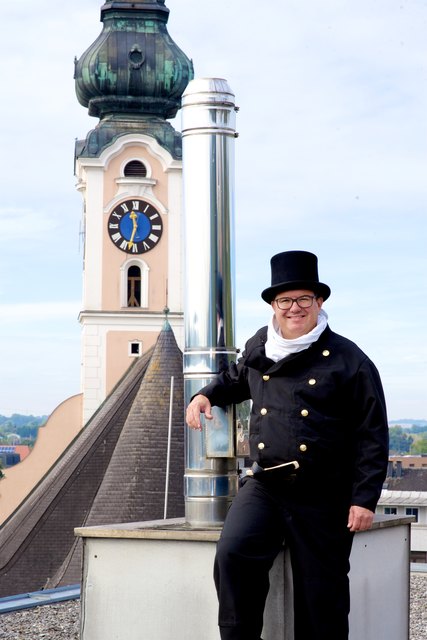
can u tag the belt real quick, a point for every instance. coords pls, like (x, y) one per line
(284, 469)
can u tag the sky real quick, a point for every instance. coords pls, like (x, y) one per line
(331, 157)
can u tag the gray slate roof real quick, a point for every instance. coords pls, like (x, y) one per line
(113, 471)
(409, 480)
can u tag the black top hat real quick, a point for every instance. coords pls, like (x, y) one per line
(294, 270)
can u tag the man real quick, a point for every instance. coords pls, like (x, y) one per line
(319, 442)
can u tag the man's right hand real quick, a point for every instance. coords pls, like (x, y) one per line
(199, 404)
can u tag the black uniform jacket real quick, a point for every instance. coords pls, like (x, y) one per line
(323, 407)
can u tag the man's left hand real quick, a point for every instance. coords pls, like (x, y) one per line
(359, 518)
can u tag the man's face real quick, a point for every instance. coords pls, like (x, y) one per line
(295, 322)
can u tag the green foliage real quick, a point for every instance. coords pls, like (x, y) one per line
(400, 441)
(417, 428)
(26, 427)
(17, 420)
(28, 442)
(420, 444)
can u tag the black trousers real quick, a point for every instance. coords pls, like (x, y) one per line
(263, 515)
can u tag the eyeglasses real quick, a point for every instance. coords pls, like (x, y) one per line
(304, 302)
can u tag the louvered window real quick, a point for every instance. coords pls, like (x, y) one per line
(135, 169)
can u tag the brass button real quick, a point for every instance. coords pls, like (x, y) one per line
(303, 447)
(263, 411)
(304, 413)
(265, 378)
(261, 445)
(326, 353)
(312, 381)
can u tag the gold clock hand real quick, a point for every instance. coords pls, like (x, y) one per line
(133, 216)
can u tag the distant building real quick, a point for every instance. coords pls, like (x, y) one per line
(12, 454)
(405, 494)
(409, 462)
(8, 456)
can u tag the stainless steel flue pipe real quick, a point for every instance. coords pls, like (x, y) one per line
(208, 135)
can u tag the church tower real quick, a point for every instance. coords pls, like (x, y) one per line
(129, 173)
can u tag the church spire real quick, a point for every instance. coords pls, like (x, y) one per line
(133, 75)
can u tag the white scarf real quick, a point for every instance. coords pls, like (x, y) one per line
(277, 348)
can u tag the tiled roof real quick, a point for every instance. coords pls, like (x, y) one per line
(133, 486)
(409, 480)
(407, 498)
(23, 450)
(113, 471)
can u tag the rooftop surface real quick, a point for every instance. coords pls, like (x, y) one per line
(62, 621)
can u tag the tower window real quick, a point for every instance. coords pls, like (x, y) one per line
(134, 277)
(135, 348)
(134, 287)
(135, 169)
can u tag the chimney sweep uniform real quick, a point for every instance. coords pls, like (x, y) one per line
(318, 404)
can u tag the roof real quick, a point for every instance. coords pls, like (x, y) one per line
(407, 498)
(23, 450)
(113, 471)
(409, 480)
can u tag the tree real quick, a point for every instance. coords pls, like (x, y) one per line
(400, 442)
(420, 445)
(418, 428)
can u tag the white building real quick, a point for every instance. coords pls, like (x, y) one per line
(405, 494)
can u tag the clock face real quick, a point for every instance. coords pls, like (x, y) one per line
(135, 226)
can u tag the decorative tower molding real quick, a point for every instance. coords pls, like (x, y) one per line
(129, 172)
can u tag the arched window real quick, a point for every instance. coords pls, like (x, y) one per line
(135, 169)
(134, 287)
(134, 275)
